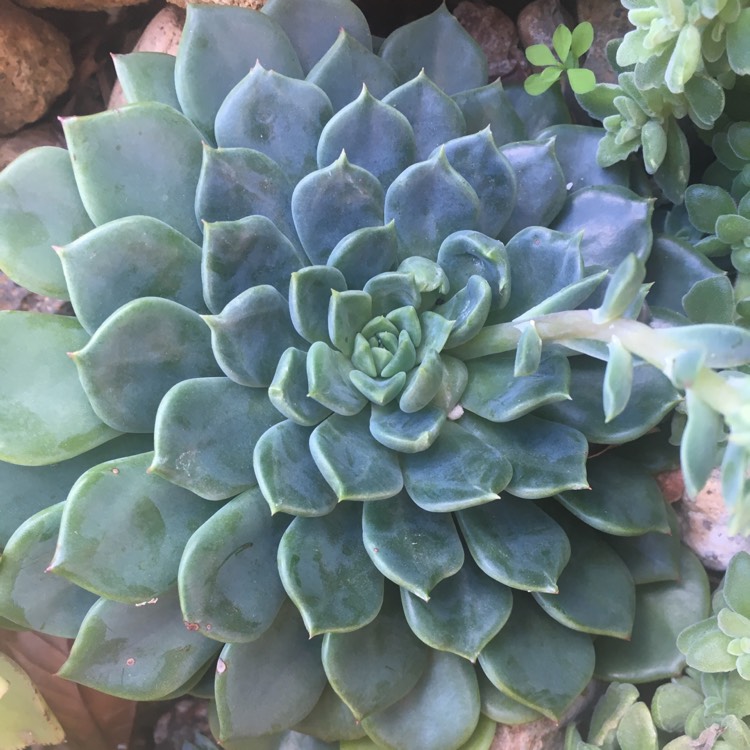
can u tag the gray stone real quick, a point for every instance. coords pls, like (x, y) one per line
(44, 134)
(539, 19)
(610, 21)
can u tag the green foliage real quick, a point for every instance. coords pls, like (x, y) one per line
(569, 47)
(372, 373)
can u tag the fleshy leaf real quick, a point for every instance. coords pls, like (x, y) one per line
(228, 582)
(421, 45)
(392, 291)
(153, 342)
(46, 416)
(139, 653)
(516, 543)
(373, 667)
(39, 207)
(457, 471)
(464, 613)
(125, 259)
(217, 49)
(147, 77)
(251, 333)
(348, 313)
(501, 707)
(353, 463)
(537, 661)
(205, 431)
(468, 309)
(406, 433)
(32, 597)
(327, 573)
(279, 116)
(289, 390)
(329, 204)
(365, 253)
(441, 712)
(287, 475)
(414, 548)
(330, 720)
(309, 296)
(329, 383)
(95, 548)
(429, 201)
(256, 694)
(434, 116)
(490, 106)
(140, 160)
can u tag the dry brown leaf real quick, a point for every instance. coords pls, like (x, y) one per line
(91, 720)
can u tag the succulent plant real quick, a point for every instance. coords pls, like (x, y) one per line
(342, 291)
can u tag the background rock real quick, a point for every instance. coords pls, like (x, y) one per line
(87, 5)
(252, 4)
(538, 21)
(610, 21)
(44, 134)
(35, 67)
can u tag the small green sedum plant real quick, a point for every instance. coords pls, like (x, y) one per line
(315, 444)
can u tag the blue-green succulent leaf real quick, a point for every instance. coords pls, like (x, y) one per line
(702, 433)
(365, 253)
(217, 48)
(441, 712)
(373, 667)
(147, 77)
(377, 390)
(405, 356)
(348, 313)
(735, 591)
(327, 573)
(279, 116)
(353, 130)
(314, 28)
(489, 106)
(502, 708)
(46, 415)
(434, 116)
(652, 398)
(346, 66)
(477, 159)
(435, 332)
(455, 378)
(412, 547)
(329, 383)
(153, 342)
(205, 431)
(623, 499)
(310, 291)
(537, 661)
(540, 111)
(626, 230)
(529, 350)
(568, 298)
(391, 291)
(125, 259)
(329, 204)
(429, 201)
(244, 253)
(546, 457)
(540, 185)
(618, 379)
(622, 290)
(287, 474)
(239, 182)
(331, 720)
(137, 653)
(673, 174)
(495, 393)
(428, 275)
(228, 581)
(457, 471)
(353, 463)
(31, 597)
(289, 390)
(468, 309)
(253, 675)
(143, 159)
(250, 335)
(406, 433)
(39, 207)
(516, 543)
(95, 547)
(422, 45)
(464, 612)
(422, 384)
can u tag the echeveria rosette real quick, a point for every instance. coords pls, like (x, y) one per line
(321, 334)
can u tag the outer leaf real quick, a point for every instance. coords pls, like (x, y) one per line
(228, 582)
(147, 77)
(95, 547)
(327, 573)
(422, 44)
(502, 708)
(373, 667)
(46, 415)
(537, 661)
(143, 159)
(441, 712)
(217, 50)
(416, 549)
(331, 720)
(735, 589)
(672, 176)
(407, 433)
(737, 53)
(463, 615)
(151, 342)
(329, 380)
(703, 431)
(289, 390)
(491, 106)
(365, 253)
(309, 296)
(39, 207)
(516, 543)
(256, 693)
(123, 260)
(141, 653)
